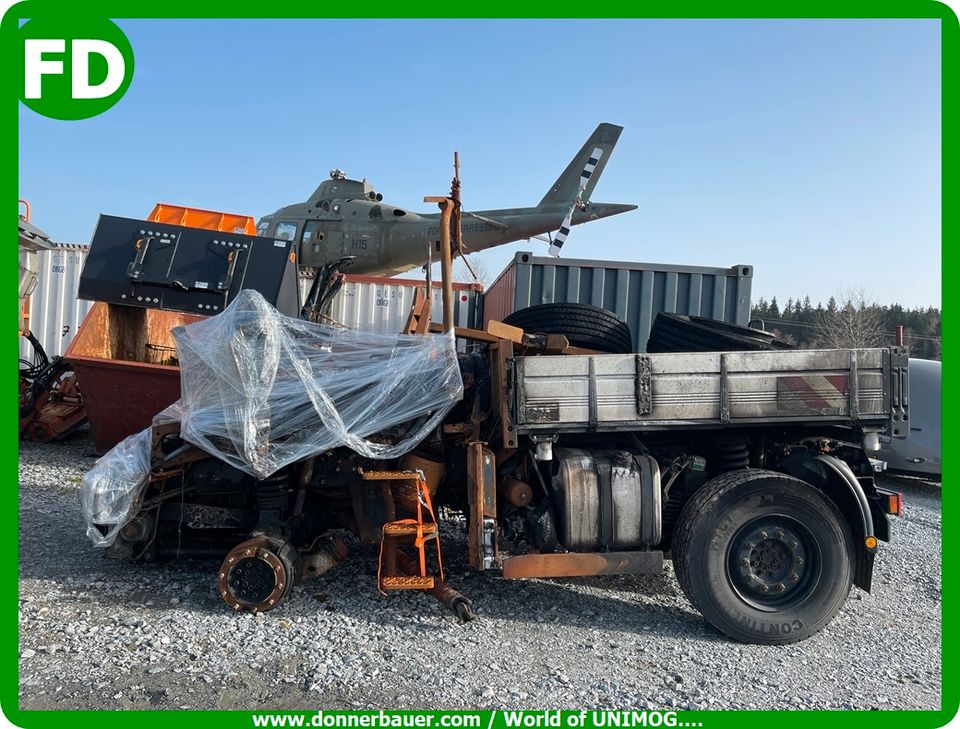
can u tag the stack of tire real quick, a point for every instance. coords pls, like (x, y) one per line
(583, 325)
(591, 327)
(681, 333)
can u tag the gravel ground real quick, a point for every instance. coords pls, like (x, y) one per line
(99, 634)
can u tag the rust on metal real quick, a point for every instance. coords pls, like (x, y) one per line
(58, 409)
(500, 353)
(446, 257)
(122, 391)
(389, 475)
(482, 501)
(456, 601)
(576, 564)
(515, 492)
(324, 559)
(253, 576)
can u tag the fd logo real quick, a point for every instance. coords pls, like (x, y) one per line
(73, 68)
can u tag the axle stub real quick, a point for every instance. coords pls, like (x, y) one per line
(257, 574)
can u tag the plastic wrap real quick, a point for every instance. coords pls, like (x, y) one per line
(111, 487)
(261, 390)
(110, 491)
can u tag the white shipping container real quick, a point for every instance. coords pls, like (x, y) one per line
(366, 303)
(55, 310)
(382, 305)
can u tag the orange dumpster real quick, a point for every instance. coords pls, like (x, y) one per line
(200, 218)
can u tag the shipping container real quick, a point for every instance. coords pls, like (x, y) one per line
(368, 303)
(636, 292)
(382, 305)
(55, 312)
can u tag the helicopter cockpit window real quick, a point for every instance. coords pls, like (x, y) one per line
(376, 212)
(262, 227)
(285, 231)
(309, 229)
(399, 213)
(325, 206)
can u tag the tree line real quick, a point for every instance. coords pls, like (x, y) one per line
(850, 320)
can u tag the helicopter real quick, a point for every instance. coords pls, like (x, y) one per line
(347, 219)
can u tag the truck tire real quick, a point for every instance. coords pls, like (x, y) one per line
(681, 333)
(583, 325)
(766, 558)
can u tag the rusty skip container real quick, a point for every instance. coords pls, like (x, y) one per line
(636, 292)
(126, 368)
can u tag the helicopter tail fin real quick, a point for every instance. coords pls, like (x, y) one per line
(564, 190)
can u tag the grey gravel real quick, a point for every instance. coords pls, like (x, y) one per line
(100, 634)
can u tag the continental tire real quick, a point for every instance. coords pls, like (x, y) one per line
(766, 558)
(681, 333)
(583, 325)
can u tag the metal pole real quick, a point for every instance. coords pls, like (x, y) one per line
(446, 264)
(899, 335)
(449, 234)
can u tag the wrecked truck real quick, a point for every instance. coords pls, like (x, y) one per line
(750, 469)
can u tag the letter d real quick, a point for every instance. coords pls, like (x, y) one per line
(116, 68)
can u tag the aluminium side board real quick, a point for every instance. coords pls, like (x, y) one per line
(626, 392)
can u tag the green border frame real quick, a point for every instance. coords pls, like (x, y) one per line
(125, 9)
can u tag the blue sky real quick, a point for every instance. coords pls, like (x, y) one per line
(810, 149)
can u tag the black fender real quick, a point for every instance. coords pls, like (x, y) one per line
(837, 480)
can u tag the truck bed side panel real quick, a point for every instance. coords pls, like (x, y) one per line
(621, 392)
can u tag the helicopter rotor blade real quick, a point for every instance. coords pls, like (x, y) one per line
(560, 238)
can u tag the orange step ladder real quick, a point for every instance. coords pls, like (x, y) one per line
(417, 532)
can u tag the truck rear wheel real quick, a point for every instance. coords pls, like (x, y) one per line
(766, 558)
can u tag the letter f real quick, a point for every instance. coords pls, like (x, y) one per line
(35, 67)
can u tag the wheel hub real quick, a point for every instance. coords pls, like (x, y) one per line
(251, 579)
(771, 562)
(256, 574)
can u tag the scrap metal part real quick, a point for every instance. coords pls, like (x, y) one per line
(324, 559)
(461, 605)
(257, 574)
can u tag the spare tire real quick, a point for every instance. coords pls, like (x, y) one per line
(681, 333)
(583, 325)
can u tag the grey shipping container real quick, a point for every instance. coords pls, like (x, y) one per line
(637, 292)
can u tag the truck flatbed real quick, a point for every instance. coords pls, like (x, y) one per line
(621, 392)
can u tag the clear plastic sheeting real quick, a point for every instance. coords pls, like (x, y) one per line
(110, 491)
(261, 390)
(110, 488)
